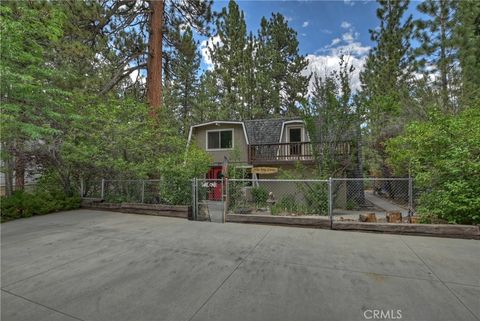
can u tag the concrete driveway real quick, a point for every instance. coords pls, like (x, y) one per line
(92, 265)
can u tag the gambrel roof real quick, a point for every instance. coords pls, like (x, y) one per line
(267, 131)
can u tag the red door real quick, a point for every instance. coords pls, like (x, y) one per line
(215, 187)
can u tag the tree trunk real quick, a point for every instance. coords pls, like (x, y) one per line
(443, 54)
(154, 66)
(19, 171)
(8, 170)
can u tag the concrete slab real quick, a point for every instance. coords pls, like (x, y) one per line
(142, 283)
(451, 260)
(468, 295)
(372, 253)
(16, 308)
(93, 265)
(261, 290)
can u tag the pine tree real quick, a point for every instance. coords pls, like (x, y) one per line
(131, 25)
(281, 86)
(228, 56)
(33, 107)
(388, 70)
(208, 105)
(248, 84)
(437, 50)
(184, 80)
(467, 37)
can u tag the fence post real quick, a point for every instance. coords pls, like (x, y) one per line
(330, 202)
(81, 187)
(225, 199)
(194, 198)
(410, 196)
(103, 189)
(143, 191)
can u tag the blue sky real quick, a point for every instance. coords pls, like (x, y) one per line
(326, 29)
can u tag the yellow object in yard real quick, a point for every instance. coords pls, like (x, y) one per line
(264, 170)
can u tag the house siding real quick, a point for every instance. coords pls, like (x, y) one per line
(239, 153)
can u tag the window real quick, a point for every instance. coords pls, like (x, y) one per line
(295, 135)
(220, 139)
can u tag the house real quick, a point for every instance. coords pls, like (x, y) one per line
(262, 146)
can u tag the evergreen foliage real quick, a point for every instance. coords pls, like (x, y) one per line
(73, 96)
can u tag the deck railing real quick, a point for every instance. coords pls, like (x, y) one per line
(292, 152)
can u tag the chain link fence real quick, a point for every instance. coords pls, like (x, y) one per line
(352, 197)
(153, 191)
(277, 197)
(343, 199)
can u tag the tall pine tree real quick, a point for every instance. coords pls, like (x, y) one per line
(184, 78)
(281, 86)
(467, 38)
(228, 56)
(388, 69)
(437, 50)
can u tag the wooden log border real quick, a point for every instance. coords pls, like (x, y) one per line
(316, 222)
(181, 211)
(439, 230)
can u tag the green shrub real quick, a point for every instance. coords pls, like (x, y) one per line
(316, 198)
(22, 204)
(442, 154)
(260, 195)
(288, 204)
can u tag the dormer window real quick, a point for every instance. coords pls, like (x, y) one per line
(295, 134)
(220, 139)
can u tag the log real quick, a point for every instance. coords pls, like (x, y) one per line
(368, 217)
(394, 217)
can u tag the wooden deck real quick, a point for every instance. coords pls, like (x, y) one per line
(304, 152)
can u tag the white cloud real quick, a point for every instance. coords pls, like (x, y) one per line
(205, 45)
(334, 42)
(355, 49)
(326, 31)
(348, 37)
(323, 65)
(305, 24)
(327, 59)
(349, 2)
(345, 25)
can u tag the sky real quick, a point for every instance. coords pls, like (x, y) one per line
(325, 29)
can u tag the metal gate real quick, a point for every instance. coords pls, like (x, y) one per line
(209, 197)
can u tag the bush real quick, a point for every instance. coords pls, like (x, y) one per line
(444, 157)
(288, 204)
(260, 196)
(316, 198)
(22, 204)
